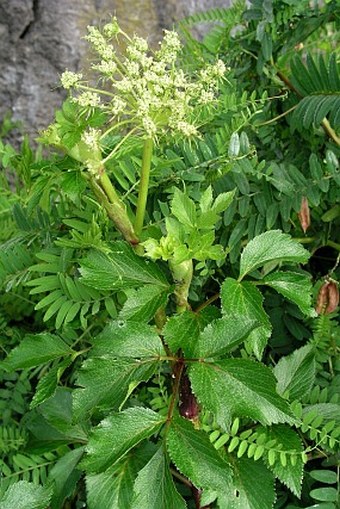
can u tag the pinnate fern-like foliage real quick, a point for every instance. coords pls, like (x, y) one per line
(318, 81)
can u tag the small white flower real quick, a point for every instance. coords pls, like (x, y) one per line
(170, 47)
(171, 41)
(180, 80)
(149, 126)
(91, 138)
(70, 79)
(219, 68)
(158, 67)
(124, 85)
(117, 105)
(206, 97)
(132, 68)
(88, 99)
(107, 53)
(107, 68)
(95, 38)
(151, 76)
(187, 129)
(140, 44)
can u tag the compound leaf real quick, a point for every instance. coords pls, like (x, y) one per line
(65, 476)
(182, 331)
(290, 474)
(184, 209)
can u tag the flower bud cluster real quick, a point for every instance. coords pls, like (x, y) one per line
(146, 87)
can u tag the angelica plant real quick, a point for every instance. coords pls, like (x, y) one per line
(144, 353)
(143, 93)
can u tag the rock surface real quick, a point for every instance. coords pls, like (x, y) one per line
(39, 39)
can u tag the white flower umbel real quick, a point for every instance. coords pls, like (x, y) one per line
(148, 90)
(145, 93)
(70, 79)
(88, 99)
(91, 138)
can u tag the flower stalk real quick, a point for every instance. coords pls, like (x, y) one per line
(144, 185)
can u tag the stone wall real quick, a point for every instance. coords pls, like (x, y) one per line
(40, 38)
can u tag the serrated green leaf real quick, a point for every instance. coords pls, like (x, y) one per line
(73, 185)
(36, 349)
(154, 487)
(222, 201)
(296, 373)
(184, 209)
(253, 487)
(294, 286)
(47, 385)
(117, 434)
(64, 476)
(142, 304)
(26, 495)
(223, 335)
(106, 382)
(128, 339)
(195, 457)
(206, 199)
(120, 269)
(124, 354)
(268, 247)
(244, 299)
(290, 475)
(238, 388)
(113, 489)
(182, 331)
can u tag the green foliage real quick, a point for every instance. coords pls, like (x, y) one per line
(319, 83)
(180, 362)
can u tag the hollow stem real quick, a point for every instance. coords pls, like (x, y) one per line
(143, 186)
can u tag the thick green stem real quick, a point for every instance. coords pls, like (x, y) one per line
(144, 185)
(182, 274)
(115, 208)
(104, 190)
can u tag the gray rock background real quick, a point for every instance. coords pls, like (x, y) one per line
(39, 39)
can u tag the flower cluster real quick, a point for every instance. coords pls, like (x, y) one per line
(70, 79)
(147, 89)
